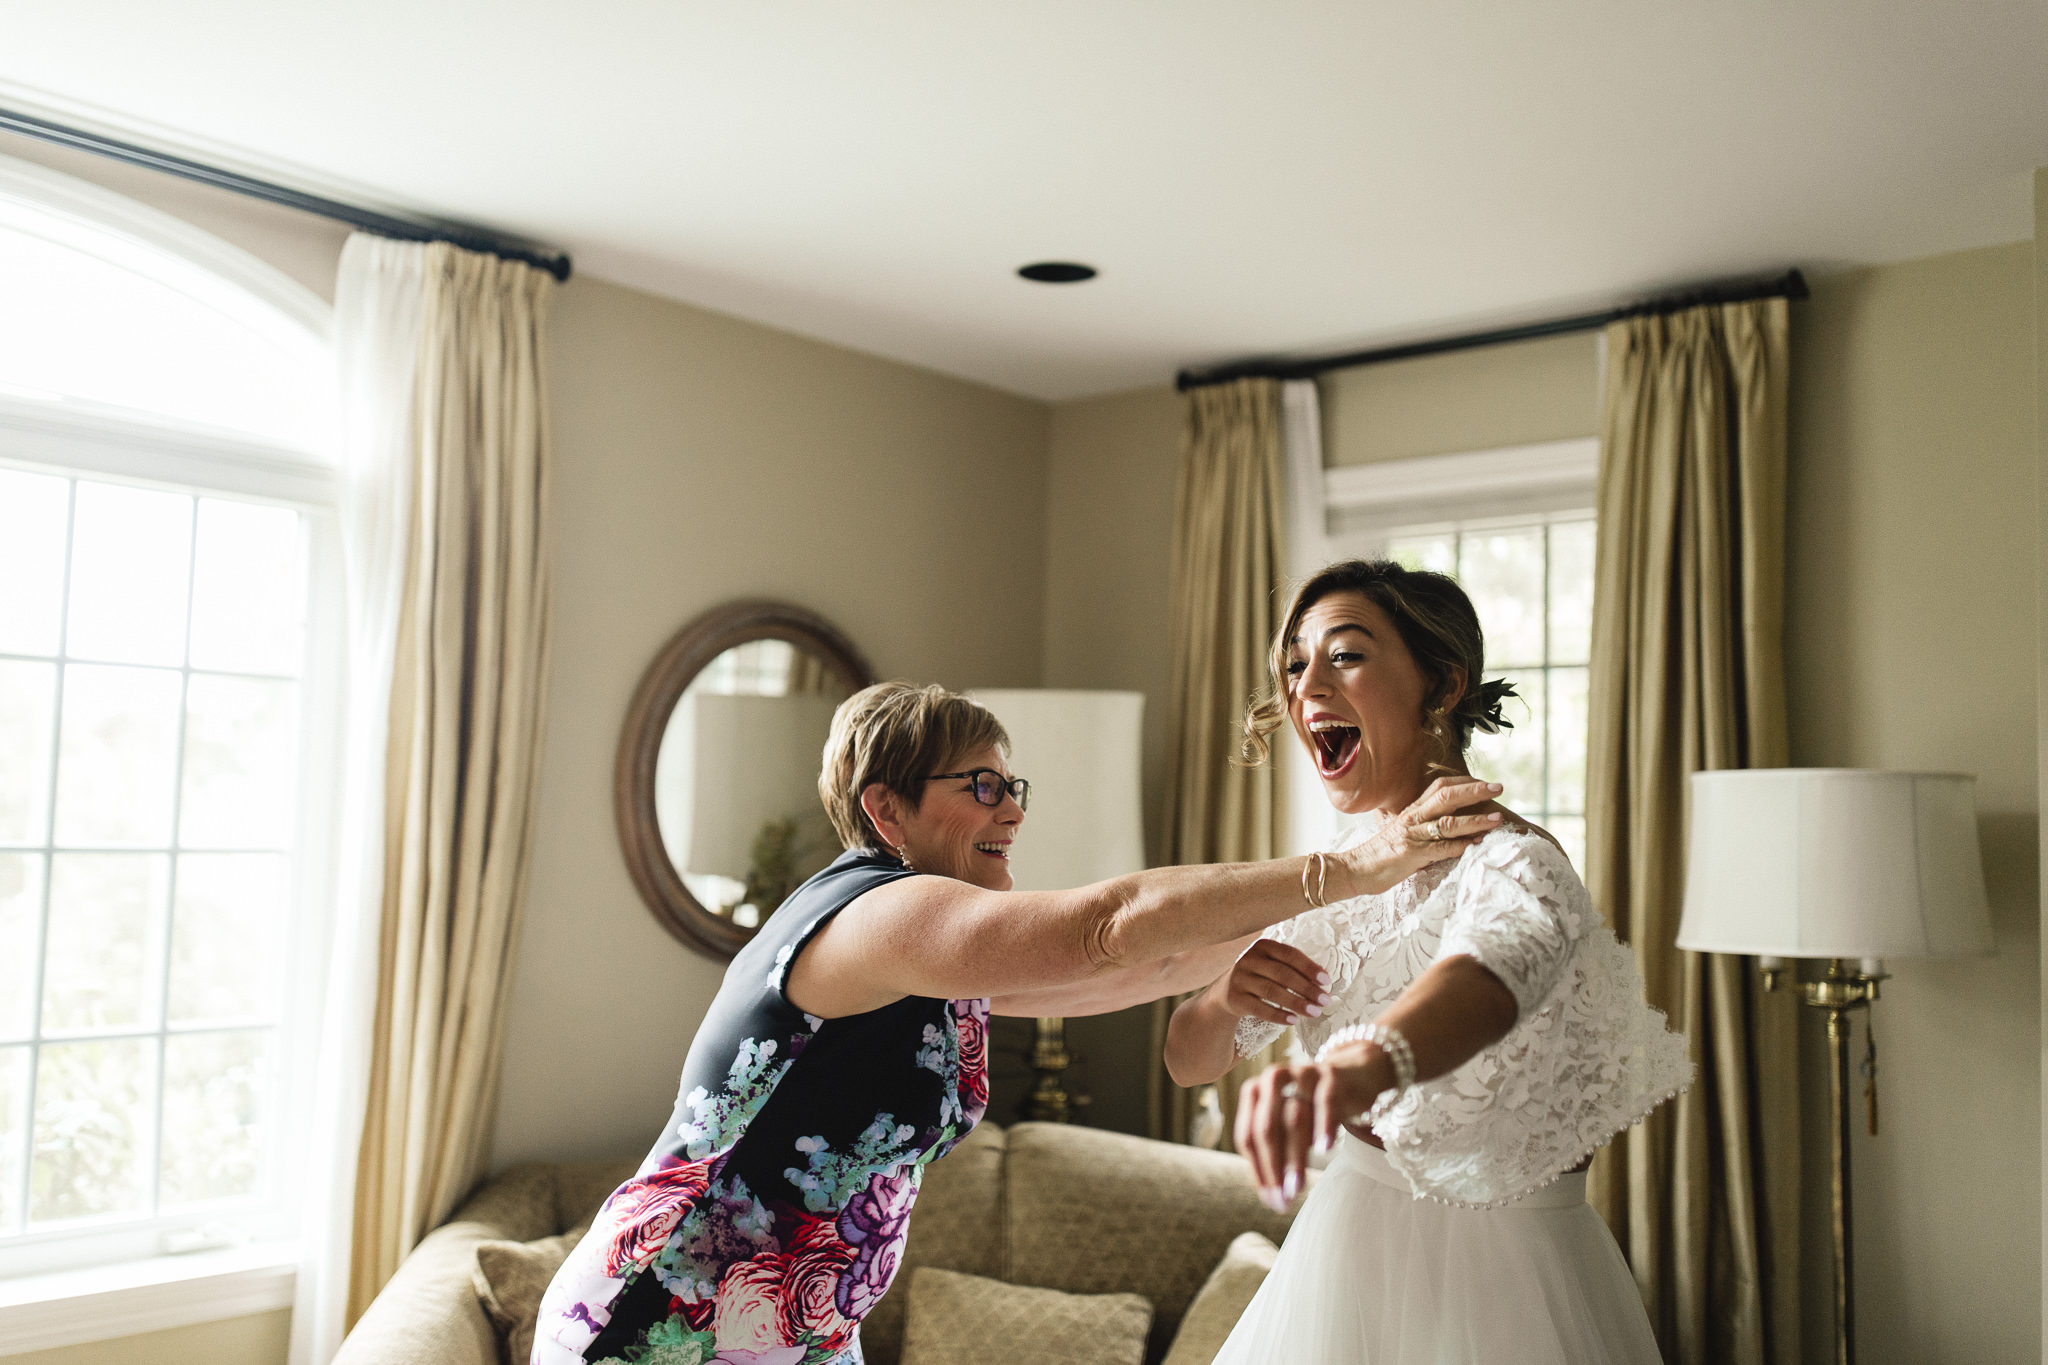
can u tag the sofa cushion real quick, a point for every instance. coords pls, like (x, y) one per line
(956, 1225)
(429, 1311)
(1088, 1212)
(956, 1319)
(510, 1278)
(429, 1314)
(1222, 1299)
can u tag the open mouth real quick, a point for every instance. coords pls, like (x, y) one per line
(994, 850)
(1336, 744)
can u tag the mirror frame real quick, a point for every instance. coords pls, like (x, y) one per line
(686, 654)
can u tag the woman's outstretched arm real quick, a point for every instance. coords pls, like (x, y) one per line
(936, 937)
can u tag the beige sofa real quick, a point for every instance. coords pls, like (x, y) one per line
(1074, 1209)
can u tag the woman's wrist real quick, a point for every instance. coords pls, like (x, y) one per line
(1360, 871)
(1365, 1073)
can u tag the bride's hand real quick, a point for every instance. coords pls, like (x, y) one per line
(1429, 831)
(1274, 982)
(1286, 1110)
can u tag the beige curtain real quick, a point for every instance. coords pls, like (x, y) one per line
(1688, 674)
(1228, 558)
(463, 744)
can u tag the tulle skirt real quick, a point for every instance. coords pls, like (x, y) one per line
(1371, 1275)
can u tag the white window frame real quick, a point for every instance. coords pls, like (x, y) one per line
(118, 1277)
(1364, 504)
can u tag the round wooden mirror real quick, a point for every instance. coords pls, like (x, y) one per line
(717, 778)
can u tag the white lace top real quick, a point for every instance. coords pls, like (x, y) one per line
(1586, 1057)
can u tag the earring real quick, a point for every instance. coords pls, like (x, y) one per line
(902, 853)
(1439, 734)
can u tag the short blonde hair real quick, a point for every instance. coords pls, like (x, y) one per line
(897, 734)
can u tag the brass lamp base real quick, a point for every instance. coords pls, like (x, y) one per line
(1050, 1102)
(1839, 992)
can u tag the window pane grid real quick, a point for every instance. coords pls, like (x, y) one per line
(23, 1159)
(6, 657)
(155, 1140)
(85, 1100)
(1532, 585)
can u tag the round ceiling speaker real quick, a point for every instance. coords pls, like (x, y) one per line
(1057, 272)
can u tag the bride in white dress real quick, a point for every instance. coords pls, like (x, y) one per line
(1476, 1033)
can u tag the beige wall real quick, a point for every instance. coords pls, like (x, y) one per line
(1463, 400)
(698, 459)
(1910, 644)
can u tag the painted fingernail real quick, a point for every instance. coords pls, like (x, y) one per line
(1493, 818)
(1289, 1186)
(1493, 786)
(1324, 998)
(1312, 1011)
(1293, 1018)
(1322, 978)
(1322, 1142)
(1272, 1200)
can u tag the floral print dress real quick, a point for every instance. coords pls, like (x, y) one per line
(771, 1215)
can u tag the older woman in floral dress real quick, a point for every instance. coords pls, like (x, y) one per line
(846, 1049)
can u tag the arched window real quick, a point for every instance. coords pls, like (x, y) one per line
(166, 543)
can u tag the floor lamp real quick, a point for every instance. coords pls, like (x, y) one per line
(1844, 865)
(1081, 753)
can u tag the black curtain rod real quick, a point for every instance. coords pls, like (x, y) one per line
(383, 224)
(1790, 285)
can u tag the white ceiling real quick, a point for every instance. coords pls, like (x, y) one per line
(1257, 176)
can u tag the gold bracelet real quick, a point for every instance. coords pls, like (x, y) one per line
(1321, 864)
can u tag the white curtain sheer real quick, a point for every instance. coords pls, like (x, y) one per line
(377, 305)
(1306, 821)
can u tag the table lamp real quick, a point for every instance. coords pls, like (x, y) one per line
(1842, 864)
(1081, 752)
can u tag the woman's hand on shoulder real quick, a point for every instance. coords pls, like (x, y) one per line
(1273, 982)
(1452, 815)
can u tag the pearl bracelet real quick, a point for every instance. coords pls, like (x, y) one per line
(1389, 1041)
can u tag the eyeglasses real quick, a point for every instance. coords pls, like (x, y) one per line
(990, 786)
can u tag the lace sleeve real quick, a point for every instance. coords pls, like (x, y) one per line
(1586, 1056)
(1254, 1033)
(1519, 910)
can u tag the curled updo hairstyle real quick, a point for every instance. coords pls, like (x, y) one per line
(1441, 630)
(897, 734)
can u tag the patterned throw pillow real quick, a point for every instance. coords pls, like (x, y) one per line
(1222, 1302)
(510, 1278)
(954, 1318)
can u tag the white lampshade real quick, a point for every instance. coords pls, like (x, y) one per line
(1834, 862)
(1081, 753)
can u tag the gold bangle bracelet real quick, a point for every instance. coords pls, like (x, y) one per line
(1321, 864)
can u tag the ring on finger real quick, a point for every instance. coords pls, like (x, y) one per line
(1433, 831)
(1290, 1091)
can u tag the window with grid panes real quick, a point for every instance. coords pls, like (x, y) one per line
(1531, 582)
(157, 568)
(150, 650)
